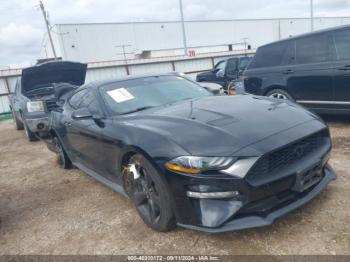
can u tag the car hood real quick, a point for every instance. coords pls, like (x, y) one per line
(53, 72)
(204, 74)
(221, 125)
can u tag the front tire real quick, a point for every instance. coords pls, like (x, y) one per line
(279, 94)
(149, 193)
(18, 124)
(29, 134)
(62, 157)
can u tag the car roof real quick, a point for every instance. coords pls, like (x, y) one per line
(235, 57)
(99, 83)
(309, 34)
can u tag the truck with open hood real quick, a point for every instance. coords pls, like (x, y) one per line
(37, 92)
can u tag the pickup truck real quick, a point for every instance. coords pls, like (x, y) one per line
(225, 71)
(36, 94)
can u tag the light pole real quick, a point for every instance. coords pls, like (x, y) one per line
(47, 23)
(183, 27)
(312, 15)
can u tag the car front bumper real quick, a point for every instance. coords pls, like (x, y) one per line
(252, 207)
(259, 221)
(37, 122)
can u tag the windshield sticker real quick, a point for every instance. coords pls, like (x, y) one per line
(120, 95)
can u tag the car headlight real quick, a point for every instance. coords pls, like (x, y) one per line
(35, 106)
(241, 167)
(197, 165)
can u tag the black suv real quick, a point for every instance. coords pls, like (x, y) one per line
(311, 69)
(225, 71)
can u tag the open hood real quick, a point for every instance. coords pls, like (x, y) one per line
(53, 72)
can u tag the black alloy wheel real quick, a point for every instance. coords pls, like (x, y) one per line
(63, 159)
(29, 134)
(149, 194)
(18, 124)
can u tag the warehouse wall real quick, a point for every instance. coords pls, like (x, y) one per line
(98, 42)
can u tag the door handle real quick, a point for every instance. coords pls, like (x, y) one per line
(344, 68)
(288, 71)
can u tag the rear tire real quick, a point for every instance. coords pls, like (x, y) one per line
(18, 124)
(62, 157)
(279, 94)
(29, 134)
(150, 195)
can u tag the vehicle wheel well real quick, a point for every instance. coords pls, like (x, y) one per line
(126, 158)
(274, 87)
(52, 133)
(130, 153)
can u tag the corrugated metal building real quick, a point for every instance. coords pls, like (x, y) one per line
(118, 69)
(102, 41)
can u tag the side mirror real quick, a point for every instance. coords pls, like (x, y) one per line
(81, 113)
(220, 73)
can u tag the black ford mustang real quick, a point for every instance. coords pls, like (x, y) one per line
(186, 157)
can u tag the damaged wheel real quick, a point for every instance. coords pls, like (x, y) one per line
(18, 124)
(149, 193)
(63, 159)
(29, 134)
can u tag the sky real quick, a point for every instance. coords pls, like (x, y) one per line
(22, 26)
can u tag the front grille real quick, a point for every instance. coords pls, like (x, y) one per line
(271, 163)
(51, 105)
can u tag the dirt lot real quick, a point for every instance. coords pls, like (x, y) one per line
(47, 210)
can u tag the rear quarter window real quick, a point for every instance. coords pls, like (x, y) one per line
(314, 49)
(77, 98)
(270, 55)
(342, 44)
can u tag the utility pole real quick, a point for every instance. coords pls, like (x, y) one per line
(125, 58)
(183, 27)
(47, 23)
(312, 15)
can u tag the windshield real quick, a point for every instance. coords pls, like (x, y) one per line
(129, 96)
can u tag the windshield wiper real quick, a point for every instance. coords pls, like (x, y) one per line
(138, 109)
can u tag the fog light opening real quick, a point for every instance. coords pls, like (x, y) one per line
(212, 195)
(40, 126)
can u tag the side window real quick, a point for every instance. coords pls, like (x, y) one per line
(221, 65)
(270, 55)
(289, 54)
(244, 62)
(231, 67)
(89, 100)
(76, 99)
(314, 49)
(342, 44)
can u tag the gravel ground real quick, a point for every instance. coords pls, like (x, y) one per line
(47, 210)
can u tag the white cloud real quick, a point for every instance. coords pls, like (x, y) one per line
(19, 36)
(22, 26)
